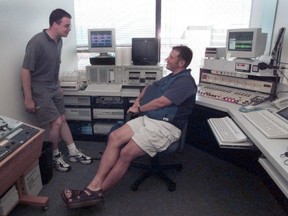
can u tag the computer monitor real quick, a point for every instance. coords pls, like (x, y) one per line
(145, 51)
(102, 40)
(245, 43)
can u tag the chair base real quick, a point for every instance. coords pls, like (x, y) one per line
(156, 170)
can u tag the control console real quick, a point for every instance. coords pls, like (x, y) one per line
(123, 75)
(238, 90)
(231, 95)
(13, 134)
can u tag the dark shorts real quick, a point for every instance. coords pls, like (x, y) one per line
(49, 104)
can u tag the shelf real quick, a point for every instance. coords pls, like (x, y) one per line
(275, 175)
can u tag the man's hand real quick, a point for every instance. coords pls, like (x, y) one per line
(133, 109)
(61, 91)
(30, 106)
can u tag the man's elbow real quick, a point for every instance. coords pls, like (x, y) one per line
(164, 103)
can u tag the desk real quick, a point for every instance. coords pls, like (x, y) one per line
(270, 148)
(15, 165)
(93, 113)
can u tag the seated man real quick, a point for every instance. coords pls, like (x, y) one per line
(164, 108)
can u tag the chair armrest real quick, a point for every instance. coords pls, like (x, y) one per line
(128, 116)
(183, 137)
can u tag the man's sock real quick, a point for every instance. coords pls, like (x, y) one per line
(72, 149)
(55, 152)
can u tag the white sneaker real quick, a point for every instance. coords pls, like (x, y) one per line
(60, 164)
(80, 157)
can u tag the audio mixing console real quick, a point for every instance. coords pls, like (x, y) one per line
(231, 95)
(13, 134)
(238, 90)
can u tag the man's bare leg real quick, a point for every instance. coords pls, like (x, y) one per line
(54, 133)
(65, 132)
(111, 155)
(127, 155)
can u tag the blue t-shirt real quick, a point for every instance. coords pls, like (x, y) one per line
(181, 90)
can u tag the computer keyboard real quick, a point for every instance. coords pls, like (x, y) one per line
(226, 130)
(268, 123)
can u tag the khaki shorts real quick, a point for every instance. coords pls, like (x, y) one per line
(153, 135)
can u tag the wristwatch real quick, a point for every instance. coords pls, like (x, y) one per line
(139, 110)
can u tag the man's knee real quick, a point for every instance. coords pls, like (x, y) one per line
(115, 137)
(57, 122)
(126, 155)
(131, 151)
(112, 137)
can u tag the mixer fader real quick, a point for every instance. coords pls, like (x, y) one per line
(238, 90)
(231, 95)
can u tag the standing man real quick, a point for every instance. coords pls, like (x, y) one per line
(164, 108)
(42, 92)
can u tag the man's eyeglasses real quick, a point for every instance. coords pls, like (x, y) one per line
(67, 26)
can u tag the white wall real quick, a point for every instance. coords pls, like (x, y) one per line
(282, 21)
(262, 16)
(19, 21)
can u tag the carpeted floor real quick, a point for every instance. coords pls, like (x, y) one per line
(205, 186)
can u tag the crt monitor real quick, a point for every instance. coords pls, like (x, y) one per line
(245, 43)
(145, 51)
(101, 40)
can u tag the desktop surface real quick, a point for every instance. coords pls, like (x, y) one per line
(271, 149)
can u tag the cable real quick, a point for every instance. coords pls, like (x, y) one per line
(280, 92)
(283, 74)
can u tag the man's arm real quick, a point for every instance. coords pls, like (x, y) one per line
(155, 104)
(152, 105)
(26, 85)
(136, 104)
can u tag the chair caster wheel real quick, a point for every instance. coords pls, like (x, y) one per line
(172, 187)
(134, 188)
(45, 208)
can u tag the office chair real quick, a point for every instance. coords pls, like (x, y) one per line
(155, 168)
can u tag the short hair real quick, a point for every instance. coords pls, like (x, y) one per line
(185, 53)
(57, 14)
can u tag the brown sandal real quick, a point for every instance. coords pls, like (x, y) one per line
(82, 198)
